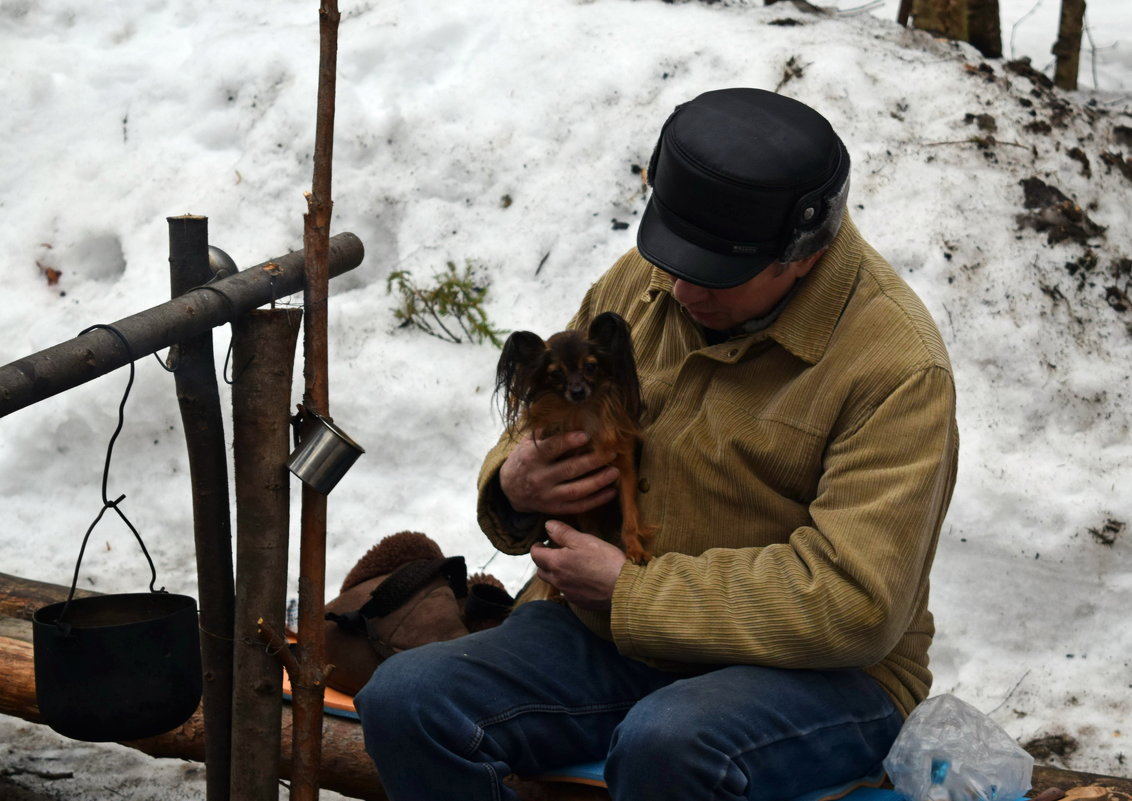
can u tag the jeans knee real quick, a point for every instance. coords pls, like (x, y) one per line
(389, 705)
(663, 751)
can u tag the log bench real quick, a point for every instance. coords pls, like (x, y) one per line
(345, 766)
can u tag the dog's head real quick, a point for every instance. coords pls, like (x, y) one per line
(571, 364)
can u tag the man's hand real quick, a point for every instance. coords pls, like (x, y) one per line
(584, 568)
(540, 477)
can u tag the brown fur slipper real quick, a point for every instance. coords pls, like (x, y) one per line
(488, 602)
(401, 594)
(389, 554)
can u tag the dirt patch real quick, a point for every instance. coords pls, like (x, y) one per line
(1054, 213)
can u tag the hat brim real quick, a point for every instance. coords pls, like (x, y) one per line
(691, 262)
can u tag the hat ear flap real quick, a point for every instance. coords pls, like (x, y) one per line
(650, 173)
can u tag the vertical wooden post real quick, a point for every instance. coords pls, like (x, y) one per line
(308, 691)
(263, 357)
(199, 399)
(1067, 48)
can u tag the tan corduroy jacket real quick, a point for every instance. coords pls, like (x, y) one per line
(797, 477)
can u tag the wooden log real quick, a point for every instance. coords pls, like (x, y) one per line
(198, 397)
(17, 690)
(345, 767)
(20, 597)
(263, 350)
(76, 361)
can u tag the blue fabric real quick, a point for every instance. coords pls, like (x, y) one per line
(593, 773)
(451, 719)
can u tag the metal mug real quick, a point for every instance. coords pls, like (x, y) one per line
(324, 455)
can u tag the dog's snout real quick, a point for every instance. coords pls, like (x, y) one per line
(577, 391)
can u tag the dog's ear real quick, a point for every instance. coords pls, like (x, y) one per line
(611, 333)
(520, 351)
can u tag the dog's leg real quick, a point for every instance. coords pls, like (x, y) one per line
(634, 535)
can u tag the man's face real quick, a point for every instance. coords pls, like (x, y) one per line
(722, 309)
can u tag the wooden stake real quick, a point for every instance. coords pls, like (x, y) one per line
(199, 399)
(308, 688)
(263, 357)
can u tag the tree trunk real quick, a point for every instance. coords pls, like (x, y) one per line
(1068, 45)
(943, 17)
(983, 29)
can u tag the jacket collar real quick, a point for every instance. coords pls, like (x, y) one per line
(805, 326)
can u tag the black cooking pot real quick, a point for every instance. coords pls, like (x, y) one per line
(117, 667)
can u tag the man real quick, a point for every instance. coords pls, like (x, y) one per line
(798, 458)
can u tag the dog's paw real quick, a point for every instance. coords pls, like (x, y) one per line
(638, 555)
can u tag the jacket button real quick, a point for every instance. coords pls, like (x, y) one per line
(643, 485)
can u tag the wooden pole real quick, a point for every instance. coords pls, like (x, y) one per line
(199, 399)
(67, 365)
(1067, 48)
(263, 355)
(308, 687)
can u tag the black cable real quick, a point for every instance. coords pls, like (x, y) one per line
(106, 502)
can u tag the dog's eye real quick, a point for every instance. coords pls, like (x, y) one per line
(555, 373)
(590, 367)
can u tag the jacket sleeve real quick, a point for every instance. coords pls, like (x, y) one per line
(842, 591)
(508, 530)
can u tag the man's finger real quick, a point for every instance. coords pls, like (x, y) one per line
(555, 446)
(558, 532)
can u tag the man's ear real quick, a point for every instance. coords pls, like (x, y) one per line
(803, 266)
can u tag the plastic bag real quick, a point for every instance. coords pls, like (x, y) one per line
(950, 751)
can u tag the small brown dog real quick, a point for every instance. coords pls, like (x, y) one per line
(582, 381)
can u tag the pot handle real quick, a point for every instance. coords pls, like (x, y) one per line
(106, 502)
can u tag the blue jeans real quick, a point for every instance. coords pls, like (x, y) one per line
(449, 720)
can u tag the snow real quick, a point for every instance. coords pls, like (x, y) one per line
(120, 115)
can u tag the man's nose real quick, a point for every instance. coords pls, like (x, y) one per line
(687, 293)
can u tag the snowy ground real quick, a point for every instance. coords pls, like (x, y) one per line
(506, 134)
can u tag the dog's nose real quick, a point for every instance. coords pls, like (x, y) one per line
(577, 393)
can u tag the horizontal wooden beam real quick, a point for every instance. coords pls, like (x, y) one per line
(67, 365)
